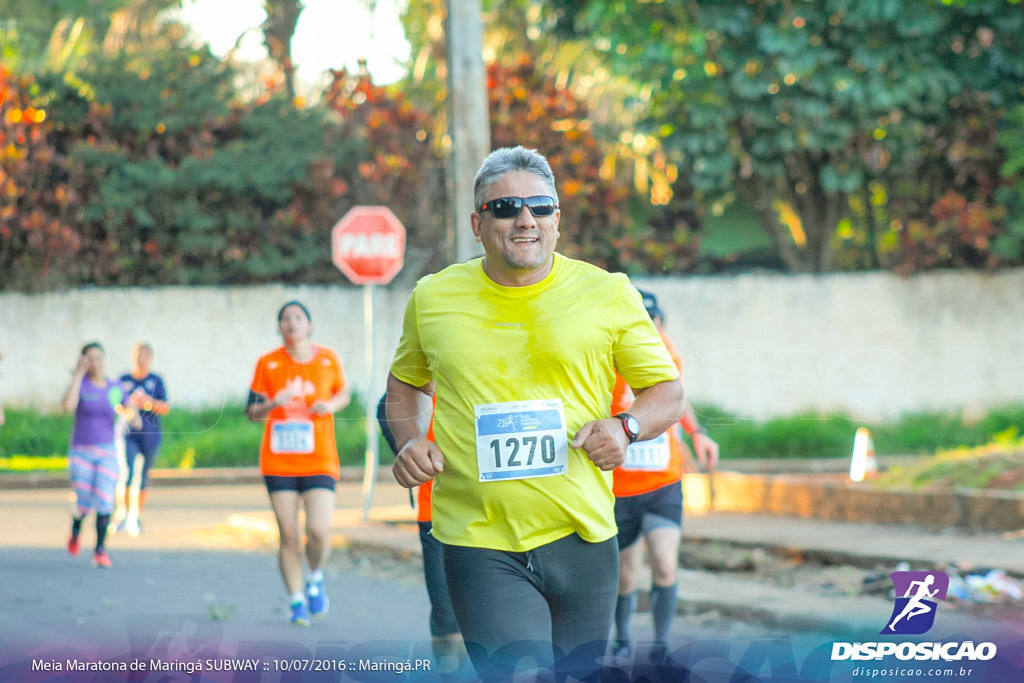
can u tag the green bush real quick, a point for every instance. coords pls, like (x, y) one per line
(790, 437)
(223, 437)
(927, 432)
(226, 438)
(832, 436)
(27, 432)
(220, 437)
(998, 464)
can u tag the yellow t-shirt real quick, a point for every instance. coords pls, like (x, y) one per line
(482, 343)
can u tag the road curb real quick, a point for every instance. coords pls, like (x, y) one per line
(834, 497)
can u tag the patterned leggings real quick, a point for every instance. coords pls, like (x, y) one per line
(94, 473)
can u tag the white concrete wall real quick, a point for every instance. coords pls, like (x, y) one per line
(866, 346)
(206, 340)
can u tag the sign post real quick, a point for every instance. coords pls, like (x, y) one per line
(368, 246)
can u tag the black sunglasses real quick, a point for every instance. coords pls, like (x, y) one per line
(509, 207)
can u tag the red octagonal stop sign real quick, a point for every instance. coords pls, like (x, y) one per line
(368, 245)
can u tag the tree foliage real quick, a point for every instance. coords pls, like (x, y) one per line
(146, 168)
(398, 165)
(179, 183)
(152, 172)
(38, 236)
(543, 93)
(63, 34)
(529, 107)
(872, 134)
(1010, 244)
(802, 108)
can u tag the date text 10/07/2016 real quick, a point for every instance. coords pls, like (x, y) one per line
(388, 665)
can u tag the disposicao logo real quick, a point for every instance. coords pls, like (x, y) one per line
(917, 596)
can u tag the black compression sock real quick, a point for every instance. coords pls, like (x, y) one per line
(102, 522)
(624, 607)
(663, 608)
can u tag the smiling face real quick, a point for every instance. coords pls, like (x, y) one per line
(517, 251)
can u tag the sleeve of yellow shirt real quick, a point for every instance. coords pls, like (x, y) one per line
(639, 354)
(410, 362)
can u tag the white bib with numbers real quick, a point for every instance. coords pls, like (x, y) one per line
(291, 436)
(650, 456)
(521, 439)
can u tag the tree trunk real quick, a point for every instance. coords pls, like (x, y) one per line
(469, 123)
(759, 196)
(819, 212)
(278, 31)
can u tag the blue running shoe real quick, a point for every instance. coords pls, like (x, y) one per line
(621, 650)
(300, 615)
(319, 603)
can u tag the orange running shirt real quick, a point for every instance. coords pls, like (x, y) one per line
(634, 482)
(423, 495)
(296, 444)
(423, 501)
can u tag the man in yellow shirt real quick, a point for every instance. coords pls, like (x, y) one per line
(521, 348)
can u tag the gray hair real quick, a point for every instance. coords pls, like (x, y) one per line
(508, 160)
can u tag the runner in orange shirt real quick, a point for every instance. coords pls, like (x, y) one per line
(649, 503)
(296, 390)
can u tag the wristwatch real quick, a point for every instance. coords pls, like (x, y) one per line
(630, 425)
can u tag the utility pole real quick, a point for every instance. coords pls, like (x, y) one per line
(469, 120)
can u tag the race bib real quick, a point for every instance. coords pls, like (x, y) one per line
(521, 440)
(649, 456)
(291, 436)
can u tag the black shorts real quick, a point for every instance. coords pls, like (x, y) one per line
(636, 515)
(276, 482)
(146, 445)
(550, 605)
(442, 615)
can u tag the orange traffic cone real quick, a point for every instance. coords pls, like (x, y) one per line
(863, 464)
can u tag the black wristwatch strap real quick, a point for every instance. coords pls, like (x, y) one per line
(630, 425)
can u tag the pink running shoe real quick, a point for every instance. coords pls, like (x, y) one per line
(101, 559)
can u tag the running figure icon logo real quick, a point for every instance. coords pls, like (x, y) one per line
(917, 596)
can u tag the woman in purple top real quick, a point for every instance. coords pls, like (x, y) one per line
(96, 402)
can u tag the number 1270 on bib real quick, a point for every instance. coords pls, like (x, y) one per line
(521, 440)
(528, 445)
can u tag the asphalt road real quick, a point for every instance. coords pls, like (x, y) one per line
(201, 581)
(201, 584)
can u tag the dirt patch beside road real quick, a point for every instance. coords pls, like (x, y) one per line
(791, 568)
